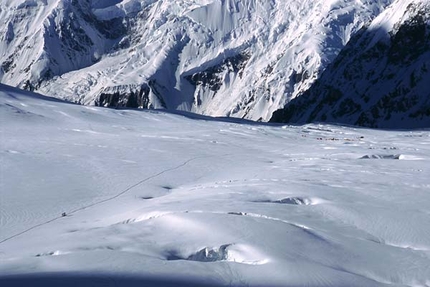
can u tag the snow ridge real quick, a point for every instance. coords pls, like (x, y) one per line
(380, 79)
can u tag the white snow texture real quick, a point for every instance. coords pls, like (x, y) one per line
(157, 199)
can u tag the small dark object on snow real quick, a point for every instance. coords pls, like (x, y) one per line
(63, 214)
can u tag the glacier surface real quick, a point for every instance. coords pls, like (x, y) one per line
(102, 197)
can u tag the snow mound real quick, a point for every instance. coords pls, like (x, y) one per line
(52, 253)
(383, 156)
(238, 253)
(147, 216)
(211, 254)
(293, 201)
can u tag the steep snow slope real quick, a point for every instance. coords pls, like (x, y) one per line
(155, 199)
(216, 57)
(381, 78)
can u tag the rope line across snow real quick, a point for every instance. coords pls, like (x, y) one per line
(104, 200)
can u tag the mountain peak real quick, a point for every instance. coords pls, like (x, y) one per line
(77, 50)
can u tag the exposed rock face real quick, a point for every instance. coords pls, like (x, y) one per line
(130, 97)
(380, 79)
(207, 83)
(239, 58)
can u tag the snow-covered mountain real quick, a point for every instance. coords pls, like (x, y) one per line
(160, 199)
(380, 79)
(236, 58)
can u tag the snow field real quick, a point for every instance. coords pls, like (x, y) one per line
(185, 197)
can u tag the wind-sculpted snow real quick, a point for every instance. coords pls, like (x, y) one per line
(234, 58)
(144, 198)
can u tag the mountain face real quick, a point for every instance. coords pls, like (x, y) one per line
(380, 79)
(235, 58)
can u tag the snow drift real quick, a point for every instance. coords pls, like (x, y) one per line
(159, 199)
